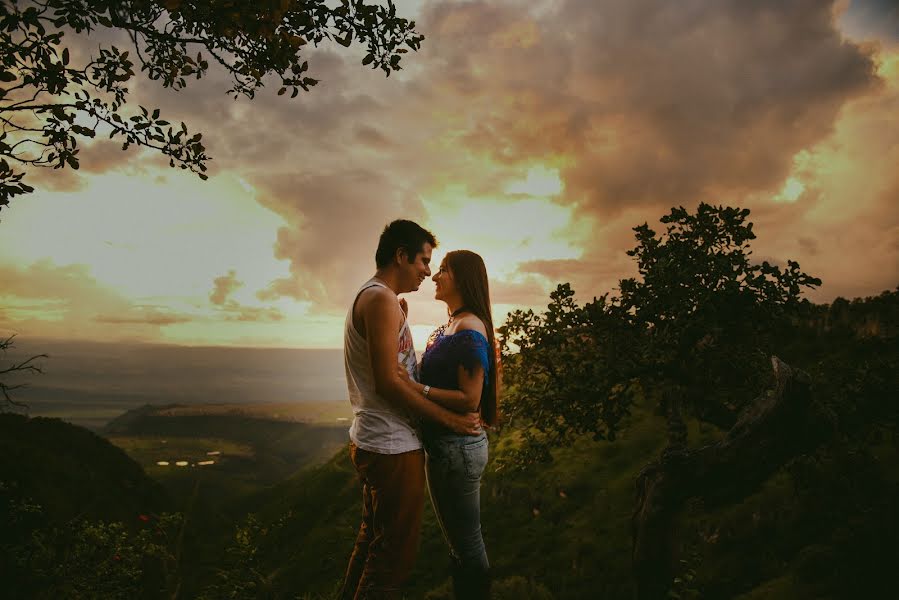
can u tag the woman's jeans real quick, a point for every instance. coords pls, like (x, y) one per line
(454, 464)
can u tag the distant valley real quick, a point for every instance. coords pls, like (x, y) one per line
(229, 449)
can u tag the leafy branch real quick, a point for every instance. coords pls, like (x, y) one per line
(48, 104)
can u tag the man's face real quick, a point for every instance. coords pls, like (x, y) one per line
(418, 270)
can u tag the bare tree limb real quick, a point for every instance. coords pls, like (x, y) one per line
(26, 366)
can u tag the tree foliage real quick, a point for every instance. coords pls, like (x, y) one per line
(48, 103)
(572, 372)
(690, 332)
(708, 313)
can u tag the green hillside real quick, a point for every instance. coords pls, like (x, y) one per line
(564, 525)
(72, 472)
(247, 453)
(79, 518)
(822, 526)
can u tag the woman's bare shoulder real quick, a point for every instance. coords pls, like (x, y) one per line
(472, 323)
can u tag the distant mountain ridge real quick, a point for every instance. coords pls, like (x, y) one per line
(311, 412)
(91, 383)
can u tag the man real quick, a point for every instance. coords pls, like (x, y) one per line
(384, 445)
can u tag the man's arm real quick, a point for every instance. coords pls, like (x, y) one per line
(465, 399)
(382, 322)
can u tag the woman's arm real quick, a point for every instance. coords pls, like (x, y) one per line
(463, 400)
(382, 321)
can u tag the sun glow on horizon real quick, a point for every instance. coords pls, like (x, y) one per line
(148, 238)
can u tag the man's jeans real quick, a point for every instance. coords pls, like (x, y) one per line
(392, 503)
(454, 467)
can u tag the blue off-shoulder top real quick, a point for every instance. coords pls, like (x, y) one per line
(445, 352)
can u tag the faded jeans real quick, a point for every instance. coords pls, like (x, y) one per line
(454, 464)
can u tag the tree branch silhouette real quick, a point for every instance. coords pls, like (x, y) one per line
(48, 104)
(26, 366)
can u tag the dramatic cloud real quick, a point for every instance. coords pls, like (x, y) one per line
(648, 106)
(843, 225)
(642, 106)
(334, 226)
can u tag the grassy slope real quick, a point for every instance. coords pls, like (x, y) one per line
(565, 525)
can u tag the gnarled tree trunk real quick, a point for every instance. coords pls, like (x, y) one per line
(778, 425)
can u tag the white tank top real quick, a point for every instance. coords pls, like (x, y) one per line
(378, 426)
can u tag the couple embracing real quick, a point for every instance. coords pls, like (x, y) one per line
(416, 425)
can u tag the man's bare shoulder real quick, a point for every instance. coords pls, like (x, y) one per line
(373, 305)
(376, 299)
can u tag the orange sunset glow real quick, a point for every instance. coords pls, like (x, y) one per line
(534, 133)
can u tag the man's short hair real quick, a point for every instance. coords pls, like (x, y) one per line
(402, 234)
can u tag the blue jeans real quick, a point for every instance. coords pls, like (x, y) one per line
(454, 464)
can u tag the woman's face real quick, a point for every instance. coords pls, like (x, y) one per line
(445, 286)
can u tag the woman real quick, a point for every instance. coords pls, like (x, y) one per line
(458, 371)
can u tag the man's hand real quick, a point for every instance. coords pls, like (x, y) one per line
(467, 424)
(403, 373)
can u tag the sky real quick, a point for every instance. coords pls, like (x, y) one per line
(536, 133)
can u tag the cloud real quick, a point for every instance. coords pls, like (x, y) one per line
(55, 180)
(95, 157)
(334, 225)
(252, 314)
(517, 292)
(143, 316)
(637, 105)
(223, 286)
(373, 138)
(649, 105)
(872, 19)
(642, 105)
(235, 311)
(589, 277)
(47, 300)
